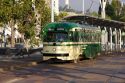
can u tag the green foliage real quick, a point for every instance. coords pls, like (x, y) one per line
(116, 4)
(12, 11)
(28, 30)
(123, 18)
(20, 12)
(115, 11)
(44, 11)
(34, 42)
(27, 20)
(94, 14)
(60, 16)
(6, 10)
(123, 10)
(110, 11)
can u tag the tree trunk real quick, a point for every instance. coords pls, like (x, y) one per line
(26, 44)
(12, 33)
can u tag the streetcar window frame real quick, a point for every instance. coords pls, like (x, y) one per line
(55, 40)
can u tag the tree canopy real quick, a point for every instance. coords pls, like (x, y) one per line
(21, 12)
(110, 10)
(115, 10)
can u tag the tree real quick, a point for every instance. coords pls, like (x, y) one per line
(9, 13)
(21, 12)
(122, 18)
(44, 11)
(94, 14)
(123, 10)
(27, 21)
(116, 4)
(110, 11)
(115, 10)
(12, 11)
(39, 13)
(60, 16)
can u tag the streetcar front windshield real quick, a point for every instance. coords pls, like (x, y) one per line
(56, 37)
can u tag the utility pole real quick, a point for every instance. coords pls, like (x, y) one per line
(67, 3)
(83, 8)
(52, 10)
(56, 7)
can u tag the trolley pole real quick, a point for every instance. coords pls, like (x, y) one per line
(52, 10)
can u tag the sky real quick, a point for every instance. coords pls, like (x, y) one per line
(77, 4)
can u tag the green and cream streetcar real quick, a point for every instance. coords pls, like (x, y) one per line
(69, 41)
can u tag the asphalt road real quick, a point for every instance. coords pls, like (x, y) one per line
(106, 69)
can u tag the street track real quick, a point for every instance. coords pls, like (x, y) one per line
(104, 69)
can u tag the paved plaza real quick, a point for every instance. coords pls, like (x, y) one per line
(105, 69)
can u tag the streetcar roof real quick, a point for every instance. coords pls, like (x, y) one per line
(65, 25)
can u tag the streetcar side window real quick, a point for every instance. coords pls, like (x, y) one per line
(56, 36)
(70, 36)
(88, 36)
(75, 36)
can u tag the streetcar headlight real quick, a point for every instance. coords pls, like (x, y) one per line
(54, 49)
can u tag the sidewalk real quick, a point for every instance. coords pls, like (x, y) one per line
(12, 63)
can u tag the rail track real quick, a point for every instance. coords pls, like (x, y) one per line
(106, 69)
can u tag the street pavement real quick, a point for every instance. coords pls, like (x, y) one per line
(104, 69)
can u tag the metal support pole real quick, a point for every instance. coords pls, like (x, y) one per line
(111, 39)
(101, 34)
(102, 39)
(105, 38)
(115, 38)
(120, 38)
(52, 10)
